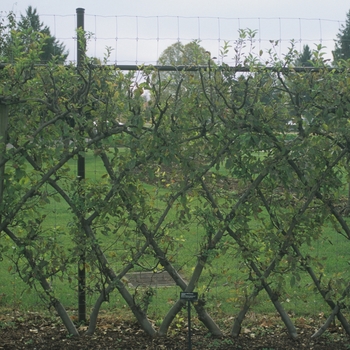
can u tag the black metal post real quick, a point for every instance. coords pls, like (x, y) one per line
(189, 296)
(81, 176)
(189, 325)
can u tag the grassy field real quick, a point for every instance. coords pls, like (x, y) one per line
(224, 281)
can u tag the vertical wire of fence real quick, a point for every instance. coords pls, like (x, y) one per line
(148, 36)
(131, 48)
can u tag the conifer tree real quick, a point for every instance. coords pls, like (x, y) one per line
(342, 45)
(18, 36)
(305, 57)
(30, 23)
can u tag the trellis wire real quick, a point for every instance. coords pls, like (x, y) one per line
(141, 39)
(140, 56)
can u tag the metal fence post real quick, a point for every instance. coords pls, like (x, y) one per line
(81, 176)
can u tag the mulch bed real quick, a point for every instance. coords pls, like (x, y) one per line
(35, 332)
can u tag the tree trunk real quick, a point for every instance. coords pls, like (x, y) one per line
(104, 294)
(202, 313)
(237, 325)
(327, 323)
(68, 323)
(116, 283)
(40, 277)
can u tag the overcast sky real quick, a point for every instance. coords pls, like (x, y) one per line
(138, 31)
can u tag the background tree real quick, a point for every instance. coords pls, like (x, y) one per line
(32, 30)
(30, 23)
(177, 54)
(342, 44)
(184, 55)
(342, 52)
(7, 25)
(304, 58)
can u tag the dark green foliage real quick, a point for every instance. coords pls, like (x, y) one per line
(184, 55)
(30, 31)
(305, 58)
(342, 46)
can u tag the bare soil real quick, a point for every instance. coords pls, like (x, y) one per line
(34, 332)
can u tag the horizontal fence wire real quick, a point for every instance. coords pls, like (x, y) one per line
(136, 41)
(196, 68)
(141, 39)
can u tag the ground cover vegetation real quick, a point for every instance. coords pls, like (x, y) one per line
(231, 181)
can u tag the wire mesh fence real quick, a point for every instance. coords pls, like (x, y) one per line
(141, 39)
(138, 40)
